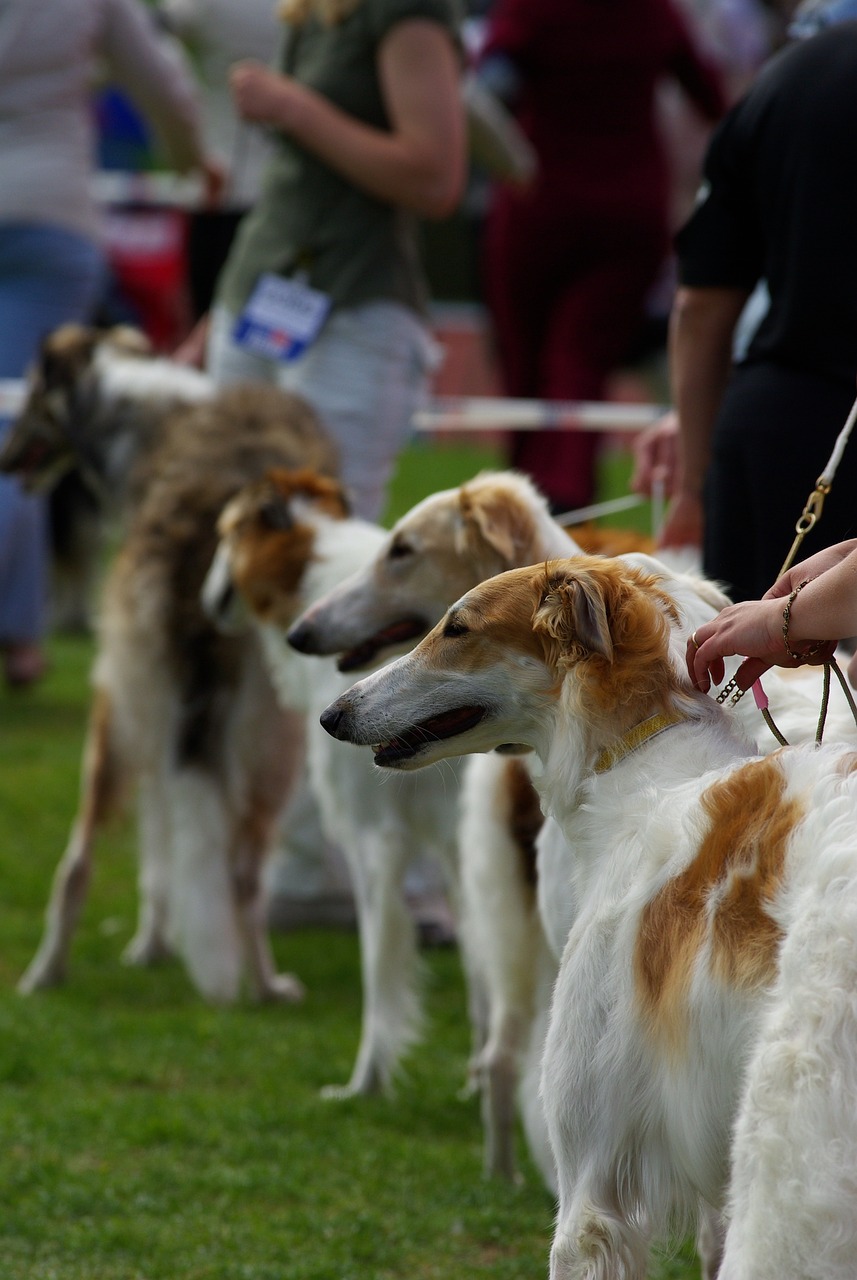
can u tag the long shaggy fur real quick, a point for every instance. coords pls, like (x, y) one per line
(703, 1032)
(181, 711)
(440, 549)
(284, 542)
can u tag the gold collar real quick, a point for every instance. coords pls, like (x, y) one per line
(636, 737)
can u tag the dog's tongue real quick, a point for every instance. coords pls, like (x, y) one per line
(397, 633)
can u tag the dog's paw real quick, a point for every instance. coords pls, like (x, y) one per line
(145, 950)
(366, 1082)
(43, 971)
(284, 987)
(338, 1092)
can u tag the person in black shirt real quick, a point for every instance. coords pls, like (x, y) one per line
(775, 214)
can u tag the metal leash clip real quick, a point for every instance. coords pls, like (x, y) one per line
(731, 692)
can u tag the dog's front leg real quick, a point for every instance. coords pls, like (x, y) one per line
(150, 944)
(101, 787)
(391, 1020)
(253, 844)
(592, 1094)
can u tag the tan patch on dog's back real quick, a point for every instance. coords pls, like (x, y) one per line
(594, 540)
(720, 901)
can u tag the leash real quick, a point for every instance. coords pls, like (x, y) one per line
(809, 517)
(811, 513)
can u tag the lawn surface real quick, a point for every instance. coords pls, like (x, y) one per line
(149, 1137)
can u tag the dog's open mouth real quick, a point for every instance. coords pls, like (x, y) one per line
(362, 655)
(447, 725)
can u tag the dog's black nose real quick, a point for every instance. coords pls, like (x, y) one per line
(300, 637)
(331, 719)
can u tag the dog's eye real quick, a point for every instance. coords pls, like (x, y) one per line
(455, 628)
(398, 550)
(275, 514)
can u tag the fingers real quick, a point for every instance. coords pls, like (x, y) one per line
(700, 667)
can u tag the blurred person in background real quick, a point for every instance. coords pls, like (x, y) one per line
(365, 106)
(52, 267)
(760, 400)
(569, 261)
(216, 34)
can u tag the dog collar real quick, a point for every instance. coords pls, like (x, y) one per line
(636, 737)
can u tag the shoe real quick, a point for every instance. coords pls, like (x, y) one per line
(23, 664)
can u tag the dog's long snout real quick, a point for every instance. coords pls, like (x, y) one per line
(302, 636)
(333, 718)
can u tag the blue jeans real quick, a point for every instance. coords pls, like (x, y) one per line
(47, 276)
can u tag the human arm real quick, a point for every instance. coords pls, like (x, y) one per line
(191, 349)
(702, 323)
(823, 610)
(420, 162)
(656, 457)
(150, 68)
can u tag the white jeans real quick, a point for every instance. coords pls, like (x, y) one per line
(365, 376)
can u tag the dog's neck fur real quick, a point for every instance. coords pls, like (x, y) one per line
(116, 409)
(703, 737)
(551, 540)
(340, 548)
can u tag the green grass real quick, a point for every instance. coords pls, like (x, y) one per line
(147, 1136)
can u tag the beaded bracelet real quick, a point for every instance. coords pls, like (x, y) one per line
(787, 615)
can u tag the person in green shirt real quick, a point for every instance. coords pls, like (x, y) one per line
(365, 112)
(369, 137)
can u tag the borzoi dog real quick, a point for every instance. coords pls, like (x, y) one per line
(703, 1038)
(445, 545)
(97, 400)
(186, 714)
(283, 542)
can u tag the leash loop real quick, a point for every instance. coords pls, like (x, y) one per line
(808, 519)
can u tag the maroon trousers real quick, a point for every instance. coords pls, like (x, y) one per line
(566, 291)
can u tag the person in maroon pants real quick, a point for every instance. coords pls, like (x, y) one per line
(569, 260)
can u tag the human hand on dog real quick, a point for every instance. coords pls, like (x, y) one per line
(753, 628)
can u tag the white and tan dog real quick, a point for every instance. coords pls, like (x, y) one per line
(703, 1039)
(283, 542)
(180, 713)
(441, 548)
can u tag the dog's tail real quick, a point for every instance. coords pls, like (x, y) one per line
(203, 924)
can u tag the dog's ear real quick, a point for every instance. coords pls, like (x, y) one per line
(493, 514)
(65, 354)
(573, 614)
(275, 512)
(327, 494)
(129, 341)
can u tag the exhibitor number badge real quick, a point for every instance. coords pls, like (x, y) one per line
(282, 318)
